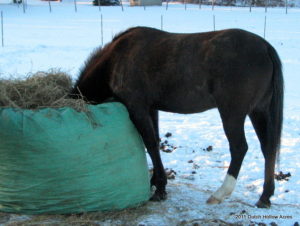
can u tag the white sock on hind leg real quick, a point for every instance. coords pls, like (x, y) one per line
(224, 191)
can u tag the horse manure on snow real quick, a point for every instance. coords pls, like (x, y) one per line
(282, 176)
(165, 146)
(170, 173)
(39, 90)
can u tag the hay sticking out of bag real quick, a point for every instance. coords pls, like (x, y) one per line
(39, 90)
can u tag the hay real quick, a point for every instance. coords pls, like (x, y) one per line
(39, 90)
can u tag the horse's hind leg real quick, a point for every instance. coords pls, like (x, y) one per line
(143, 121)
(233, 123)
(261, 123)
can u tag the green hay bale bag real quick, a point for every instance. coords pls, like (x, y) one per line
(62, 161)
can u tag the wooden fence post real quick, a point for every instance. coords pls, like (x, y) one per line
(2, 30)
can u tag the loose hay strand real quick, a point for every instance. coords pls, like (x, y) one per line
(40, 90)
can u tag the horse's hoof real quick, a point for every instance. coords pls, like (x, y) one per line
(158, 196)
(261, 204)
(213, 200)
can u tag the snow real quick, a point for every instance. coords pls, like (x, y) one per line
(40, 40)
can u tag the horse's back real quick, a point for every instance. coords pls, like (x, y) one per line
(214, 52)
(200, 69)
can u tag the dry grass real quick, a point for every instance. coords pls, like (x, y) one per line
(39, 90)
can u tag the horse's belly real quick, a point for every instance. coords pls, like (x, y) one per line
(187, 102)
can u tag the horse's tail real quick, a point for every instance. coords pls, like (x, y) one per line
(276, 105)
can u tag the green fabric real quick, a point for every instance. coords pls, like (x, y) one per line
(63, 161)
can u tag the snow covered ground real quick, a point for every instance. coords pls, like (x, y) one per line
(40, 40)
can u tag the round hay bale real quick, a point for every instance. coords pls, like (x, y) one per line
(60, 161)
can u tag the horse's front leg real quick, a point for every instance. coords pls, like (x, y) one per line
(154, 118)
(143, 121)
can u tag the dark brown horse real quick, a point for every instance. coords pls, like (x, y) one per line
(233, 70)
